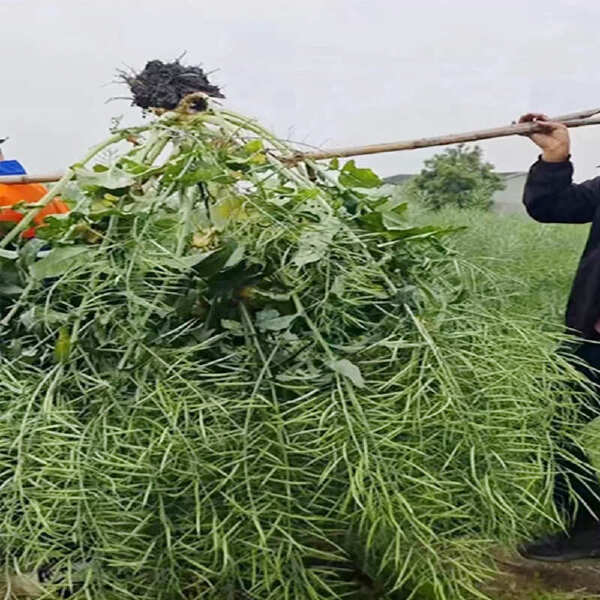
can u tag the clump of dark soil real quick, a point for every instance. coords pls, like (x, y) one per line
(163, 85)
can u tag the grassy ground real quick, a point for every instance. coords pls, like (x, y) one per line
(535, 262)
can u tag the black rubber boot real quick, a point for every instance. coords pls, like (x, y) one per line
(563, 547)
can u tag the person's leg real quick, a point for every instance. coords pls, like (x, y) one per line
(576, 484)
(574, 469)
(576, 488)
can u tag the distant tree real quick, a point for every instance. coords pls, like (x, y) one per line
(457, 177)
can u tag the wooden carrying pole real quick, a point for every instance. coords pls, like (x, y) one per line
(31, 178)
(577, 119)
(444, 140)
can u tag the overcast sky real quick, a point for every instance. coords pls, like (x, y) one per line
(324, 72)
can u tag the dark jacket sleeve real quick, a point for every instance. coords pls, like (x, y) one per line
(550, 195)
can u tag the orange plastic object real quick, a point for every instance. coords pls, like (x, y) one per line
(12, 194)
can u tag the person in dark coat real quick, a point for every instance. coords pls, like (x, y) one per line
(550, 196)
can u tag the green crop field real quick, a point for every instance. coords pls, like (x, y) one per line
(527, 268)
(533, 264)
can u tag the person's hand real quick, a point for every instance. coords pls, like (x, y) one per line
(553, 139)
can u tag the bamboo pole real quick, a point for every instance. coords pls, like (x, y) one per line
(31, 178)
(576, 119)
(444, 140)
(582, 114)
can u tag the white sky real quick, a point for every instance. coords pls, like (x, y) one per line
(325, 72)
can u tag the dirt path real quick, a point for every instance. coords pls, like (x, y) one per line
(526, 579)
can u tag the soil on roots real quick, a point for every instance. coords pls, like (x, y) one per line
(163, 85)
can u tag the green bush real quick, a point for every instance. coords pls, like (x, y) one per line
(457, 177)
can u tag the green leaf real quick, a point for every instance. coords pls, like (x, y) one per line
(314, 243)
(350, 370)
(352, 176)
(253, 146)
(55, 226)
(201, 174)
(111, 179)
(236, 257)
(304, 195)
(234, 326)
(184, 263)
(63, 345)
(392, 221)
(279, 201)
(269, 320)
(37, 314)
(60, 260)
(29, 252)
(399, 209)
(337, 287)
(133, 167)
(215, 260)
(373, 221)
(334, 164)
(228, 208)
(10, 289)
(385, 219)
(29, 318)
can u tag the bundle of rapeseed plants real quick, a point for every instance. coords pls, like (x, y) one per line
(229, 374)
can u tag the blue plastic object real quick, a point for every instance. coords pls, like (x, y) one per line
(11, 167)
